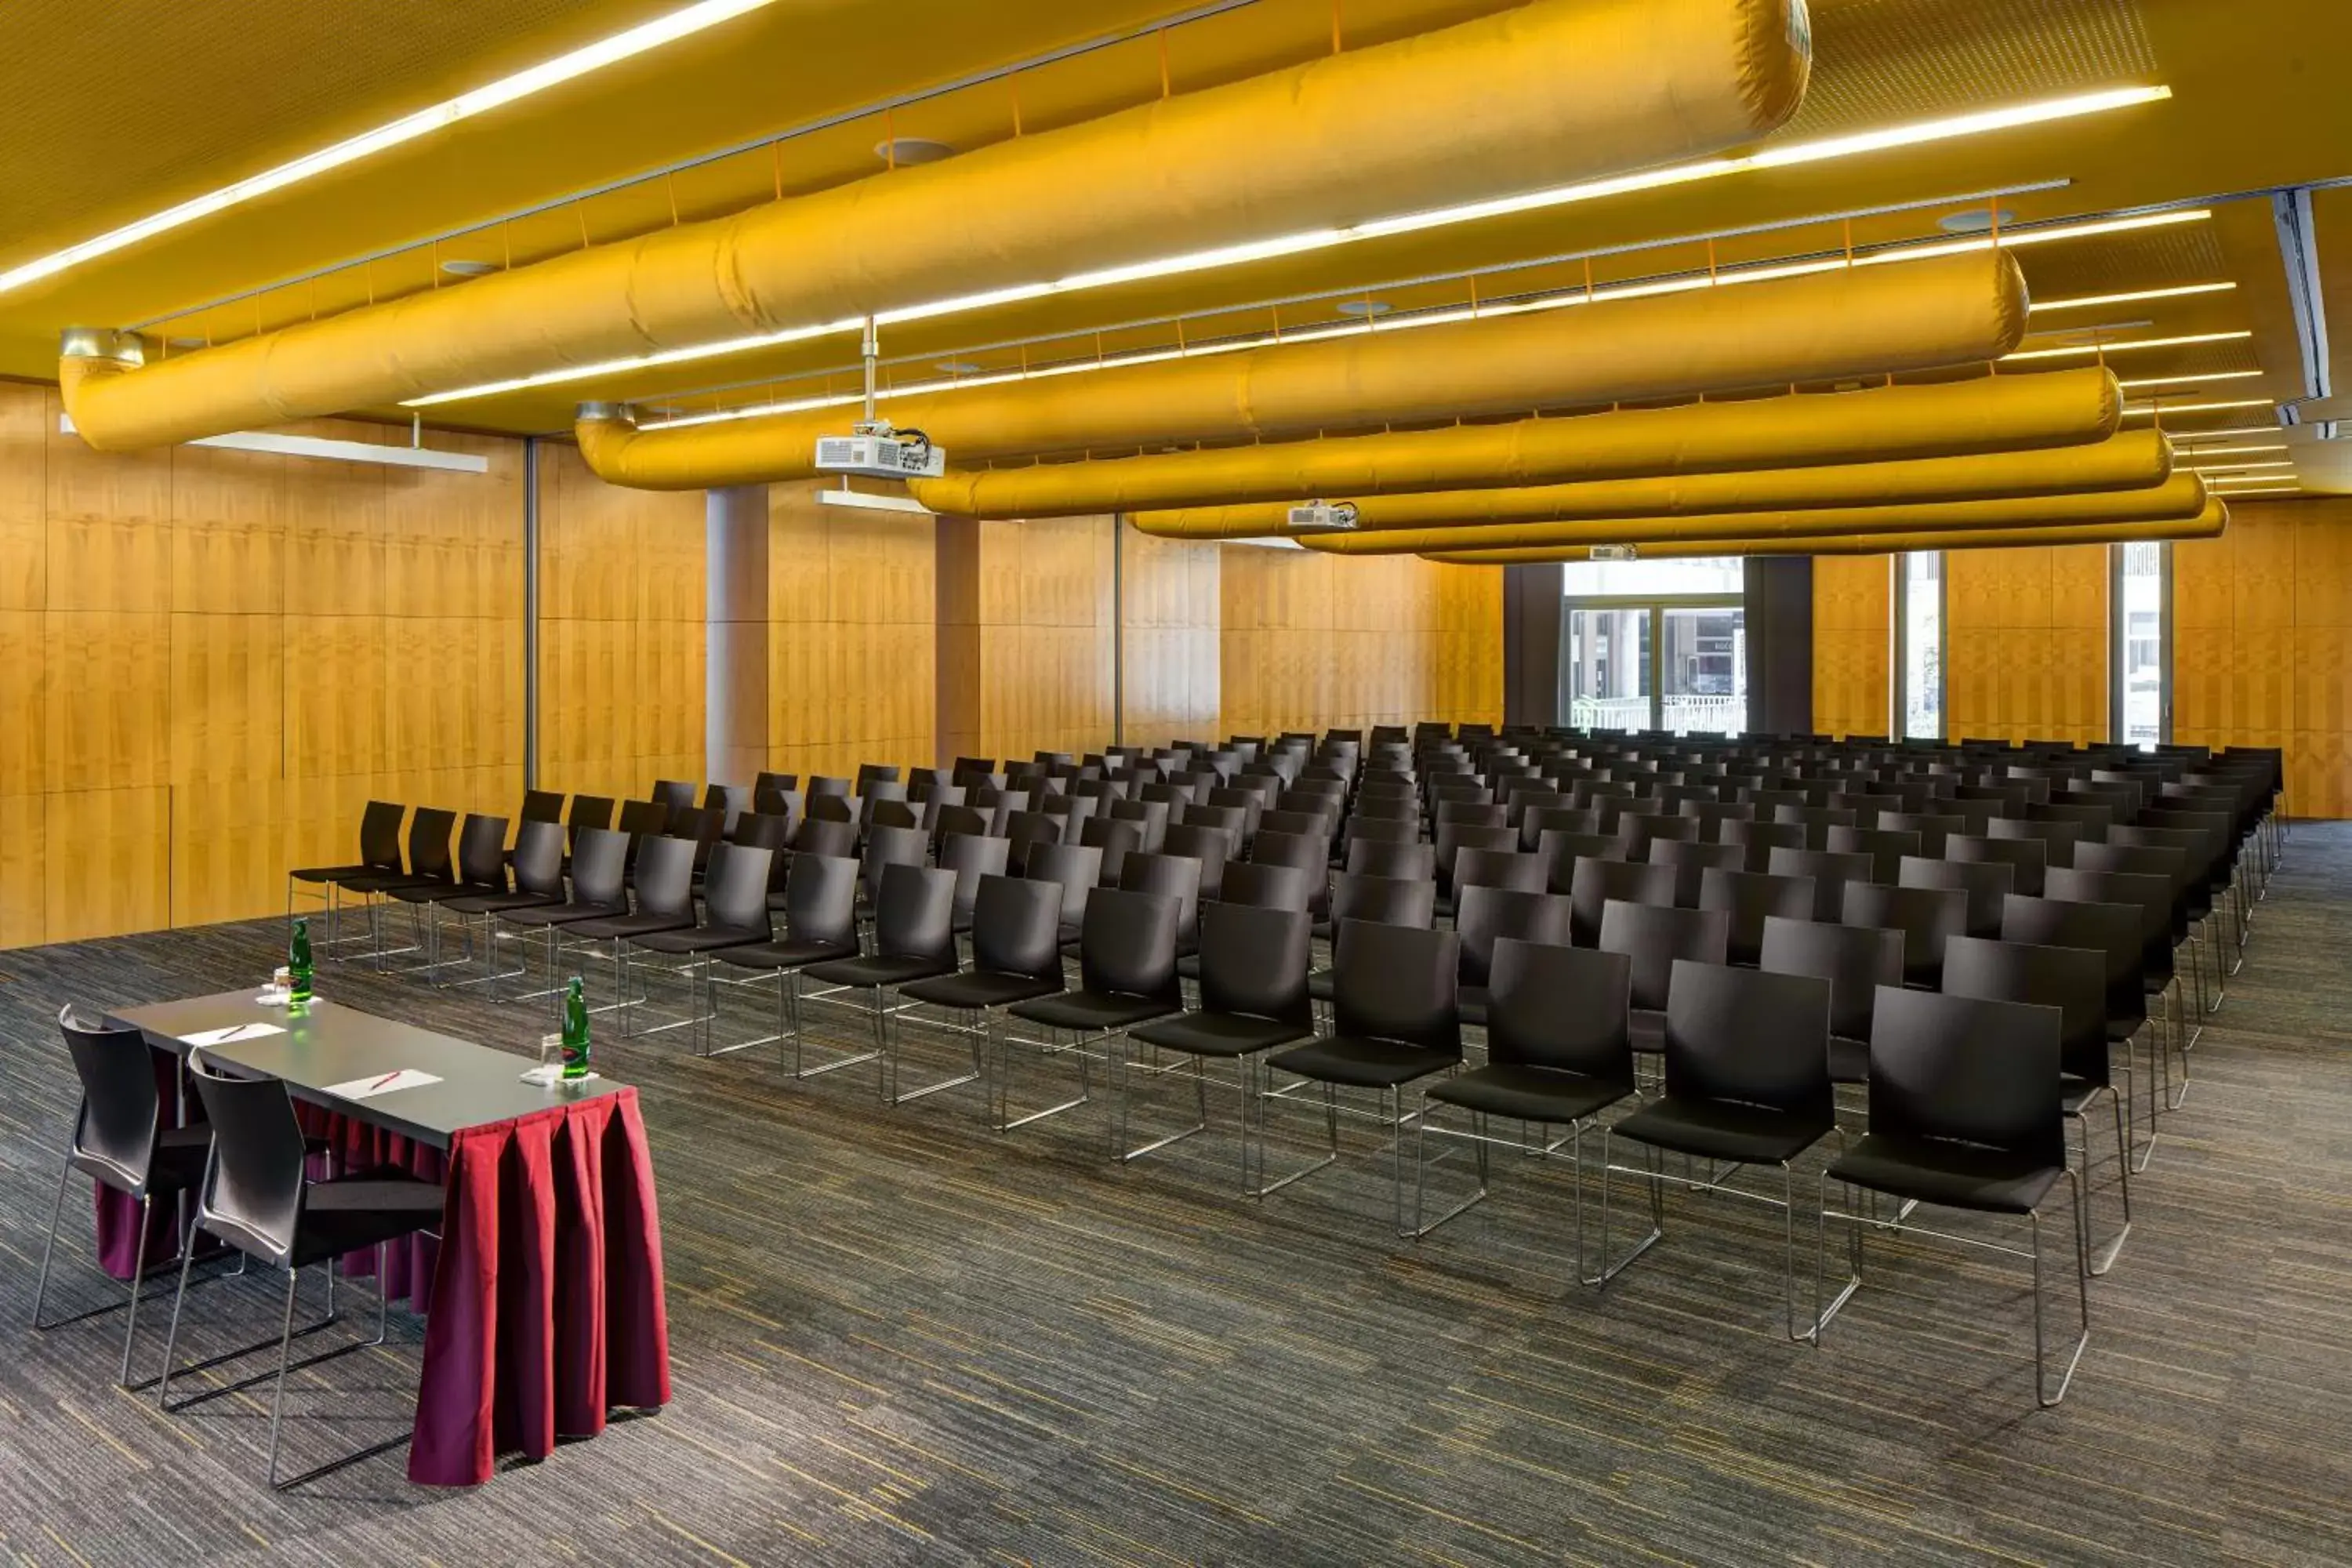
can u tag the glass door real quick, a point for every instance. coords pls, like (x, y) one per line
(1703, 668)
(1606, 651)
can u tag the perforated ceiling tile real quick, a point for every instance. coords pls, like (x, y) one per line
(2114, 264)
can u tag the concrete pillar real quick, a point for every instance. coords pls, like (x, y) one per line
(735, 633)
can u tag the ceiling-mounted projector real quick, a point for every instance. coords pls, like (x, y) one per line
(879, 452)
(1322, 517)
(1614, 552)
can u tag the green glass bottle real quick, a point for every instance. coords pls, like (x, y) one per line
(297, 962)
(576, 1031)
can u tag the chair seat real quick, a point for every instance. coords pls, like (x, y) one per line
(1087, 1012)
(1360, 1062)
(702, 939)
(1954, 1176)
(350, 1213)
(628, 928)
(442, 892)
(1543, 1095)
(177, 1165)
(498, 903)
(1224, 1035)
(333, 873)
(561, 914)
(788, 953)
(878, 969)
(979, 990)
(1720, 1129)
(385, 882)
(1849, 1060)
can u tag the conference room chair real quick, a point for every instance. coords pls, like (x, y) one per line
(1176, 876)
(2091, 821)
(1746, 1084)
(2204, 845)
(1818, 822)
(258, 1198)
(1370, 900)
(781, 783)
(2025, 858)
(599, 889)
(878, 813)
(1757, 840)
(1713, 815)
(1691, 861)
(675, 793)
(946, 822)
(1497, 869)
(1767, 802)
(1556, 818)
(1115, 840)
(1966, 1113)
(1451, 839)
(2074, 981)
(1558, 1055)
(538, 805)
(379, 857)
(1932, 828)
(1212, 848)
(1127, 975)
(817, 836)
(1751, 899)
(1393, 1023)
(1928, 918)
(913, 939)
(730, 801)
(429, 865)
(1639, 830)
(642, 821)
(537, 864)
(1885, 846)
(734, 915)
(1854, 962)
(1867, 805)
(1491, 914)
(973, 857)
(705, 827)
(1306, 852)
(1594, 883)
(2057, 839)
(2115, 932)
(2152, 895)
(1248, 802)
(1150, 818)
(1023, 832)
(1076, 868)
(664, 902)
(480, 870)
(1016, 957)
(886, 846)
(1312, 824)
(1985, 885)
(1653, 938)
(820, 912)
(122, 1142)
(871, 776)
(1408, 861)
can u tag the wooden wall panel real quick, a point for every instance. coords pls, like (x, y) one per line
(1172, 686)
(1850, 644)
(2026, 644)
(211, 660)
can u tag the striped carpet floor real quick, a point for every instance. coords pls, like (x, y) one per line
(899, 1338)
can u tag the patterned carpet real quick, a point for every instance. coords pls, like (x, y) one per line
(899, 1338)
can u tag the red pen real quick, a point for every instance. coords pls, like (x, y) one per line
(387, 1078)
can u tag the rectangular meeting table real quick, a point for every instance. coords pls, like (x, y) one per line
(543, 1294)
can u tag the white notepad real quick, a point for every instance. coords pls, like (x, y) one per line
(382, 1083)
(235, 1032)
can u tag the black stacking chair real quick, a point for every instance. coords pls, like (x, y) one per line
(1885, 848)
(1453, 839)
(1639, 830)
(2116, 931)
(1410, 862)
(1252, 973)
(1115, 840)
(379, 857)
(2152, 895)
(2057, 839)
(1966, 1113)
(1025, 830)
(972, 858)
(1376, 900)
(599, 872)
(1933, 829)
(830, 808)
(1487, 915)
(120, 1142)
(878, 812)
(480, 872)
(642, 820)
(1150, 819)
(1817, 821)
(1176, 876)
(888, 847)
(1656, 937)
(1267, 888)
(1076, 868)
(1751, 899)
(1210, 847)
(675, 793)
(1854, 961)
(1928, 918)
(914, 939)
(871, 774)
(1759, 839)
(255, 1198)
(730, 801)
(1127, 975)
(815, 835)
(1985, 884)
(781, 783)
(665, 902)
(1558, 1055)
(1747, 1083)
(1831, 874)
(2073, 980)
(734, 915)
(538, 884)
(1393, 1023)
(820, 923)
(2026, 857)
(1692, 862)
(1304, 852)
(1560, 850)
(1016, 956)
(946, 822)
(1596, 883)
(428, 864)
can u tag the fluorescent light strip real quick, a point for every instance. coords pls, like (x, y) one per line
(1912, 135)
(638, 362)
(2224, 469)
(2235, 430)
(2132, 343)
(2090, 300)
(2227, 451)
(2185, 380)
(1565, 299)
(2198, 407)
(2267, 490)
(580, 62)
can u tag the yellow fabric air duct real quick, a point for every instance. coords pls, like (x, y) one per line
(2182, 496)
(1879, 424)
(2135, 460)
(1546, 94)
(2210, 524)
(1915, 315)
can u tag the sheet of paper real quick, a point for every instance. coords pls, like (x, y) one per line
(384, 1083)
(233, 1033)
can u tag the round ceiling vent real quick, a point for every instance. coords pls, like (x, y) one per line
(1975, 220)
(1366, 308)
(467, 266)
(902, 152)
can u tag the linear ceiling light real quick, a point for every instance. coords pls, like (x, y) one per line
(1796, 153)
(2235, 468)
(2183, 342)
(580, 62)
(2144, 408)
(2232, 431)
(2090, 300)
(2267, 490)
(2229, 451)
(2184, 380)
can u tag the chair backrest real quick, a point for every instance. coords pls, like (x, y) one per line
(2114, 930)
(2027, 858)
(1761, 838)
(1026, 830)
(1885, 846)
(1964, 1070)
(914, 913)
(1016, 928)
(1593, 884)
(830, 808)
(887, 847)
(1551, 1005)
(1382, 829)
(1076, 866)
(538, 858)
(1176, 876)
(1816, 820)
(1380, 900)
(1127, 946)
(1751, 899)
(1386, 805)
(1831, 872)
(482, 851)
(1254, 961)
(821, 900)
(1749, 1037)
(1499, 869)
(588, 811)
(1398, 984)
(1472, 814)
(735, 895)
(973, 857)
(789, 783)
(254, 1183)
(822, 785)
(818, 835)
(428, 842)
(882, 811)
(2135, 859)
(1854, 961)
(870, 774)
(1656, 938)
(121, 1108)
(1691, 860)
(664, 877)
(2151, 895)
(1307, 852)
(2072, 979)
(379, 834)
(730, 801)
(1486, 915)
(1269, 886)
(1932, 827)
(1985, 883)
(1212, 847)
(600, 866)
(1560, 849)
(1150, 817)
(644, 818)
(1115, 840)
(675, 793)
(1408, 861)
(1642, 829)
(945, 822)
(2057, 839)
(2090, 820)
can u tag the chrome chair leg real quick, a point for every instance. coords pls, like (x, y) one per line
(2104, 1259)
(2042, 1394)
(285, 1354)
(57, 1217)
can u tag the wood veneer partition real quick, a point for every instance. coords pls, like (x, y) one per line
(1851, 595)
(2026, 646)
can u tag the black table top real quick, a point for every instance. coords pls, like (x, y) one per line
(329, 1044)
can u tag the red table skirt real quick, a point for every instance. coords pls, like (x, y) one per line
(543, 1297)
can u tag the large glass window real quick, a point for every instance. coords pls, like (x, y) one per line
(2141, 618)
(1919, 645)
(1655, 645)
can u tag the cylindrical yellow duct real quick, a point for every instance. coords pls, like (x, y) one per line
(1546, 94)
(2207, 525)
(1917, 315)
(1879, 424)
(2182, 496)
(2135, 460)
